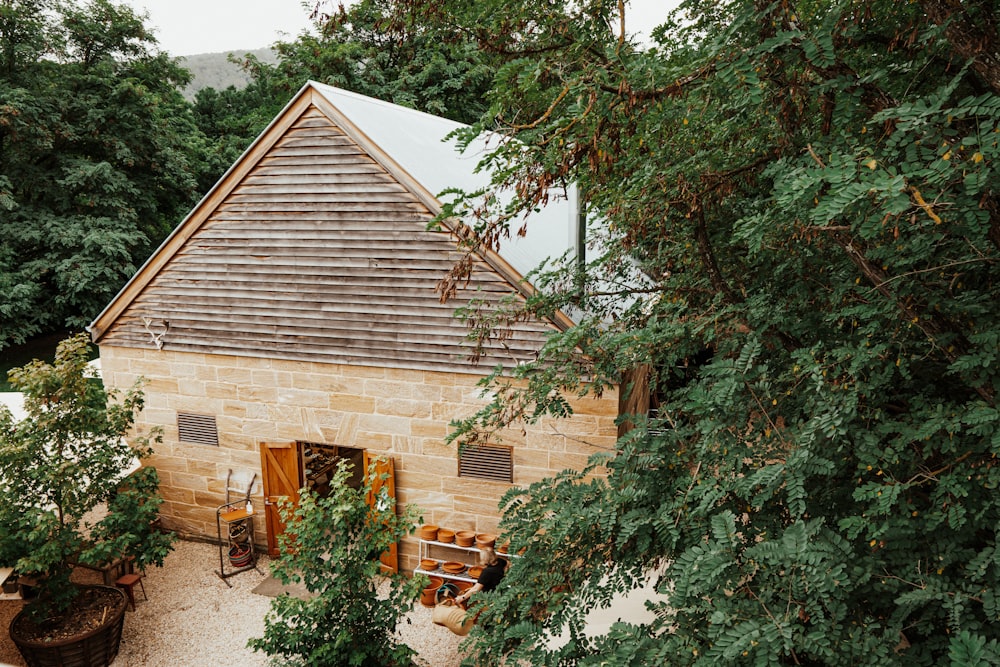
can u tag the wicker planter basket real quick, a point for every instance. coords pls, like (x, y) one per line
(90, 649)
(240, 555)
(238, 533)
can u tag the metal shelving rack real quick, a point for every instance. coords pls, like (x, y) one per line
(425, 552)
(237, 517)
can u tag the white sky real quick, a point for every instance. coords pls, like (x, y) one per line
(188, 27)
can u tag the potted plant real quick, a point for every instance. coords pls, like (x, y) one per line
(57, 465)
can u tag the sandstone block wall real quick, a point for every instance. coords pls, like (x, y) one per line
(401, 413)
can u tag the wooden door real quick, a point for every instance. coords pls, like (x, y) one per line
(280, 464)
(385, 477)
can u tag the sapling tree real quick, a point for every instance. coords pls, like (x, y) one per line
(64, 459)
(331, 545)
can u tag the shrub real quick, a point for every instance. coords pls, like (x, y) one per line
(332, 546)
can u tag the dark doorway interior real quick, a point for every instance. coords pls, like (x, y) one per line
(319, 463)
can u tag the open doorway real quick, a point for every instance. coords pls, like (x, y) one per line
(319, 463)
(288, 467)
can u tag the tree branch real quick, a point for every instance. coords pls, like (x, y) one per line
(973, 38)
(932, 326)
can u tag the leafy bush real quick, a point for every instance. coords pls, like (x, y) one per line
(332, 546)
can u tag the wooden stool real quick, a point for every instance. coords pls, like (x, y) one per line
(128, 582)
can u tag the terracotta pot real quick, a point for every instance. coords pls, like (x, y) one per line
(475, 571)
(465, 538)
(428, 564)
(428, 595)
(428, 532)
(90, 649)
(445, 535)
(484, 540)
(453, 567)
(502, 549)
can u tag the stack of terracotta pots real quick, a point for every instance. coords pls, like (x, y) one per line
(463, 538)
(453, 567)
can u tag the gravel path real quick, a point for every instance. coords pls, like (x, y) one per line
(193, 619)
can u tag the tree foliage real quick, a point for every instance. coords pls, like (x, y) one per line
(394, 50)
(796, 254)
(98, 157)
(230, 119)
(332, 545)
(400, 51)
(66, 457)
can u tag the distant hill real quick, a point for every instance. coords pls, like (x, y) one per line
(214, 70)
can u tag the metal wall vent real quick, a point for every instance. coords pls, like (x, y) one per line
(493, 462)
(197, 429)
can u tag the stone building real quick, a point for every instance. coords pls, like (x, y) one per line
(292, 319)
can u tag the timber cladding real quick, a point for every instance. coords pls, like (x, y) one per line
(318, 253)
(398, 412)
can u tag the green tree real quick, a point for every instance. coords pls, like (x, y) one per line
(332, 546)
(66, 457)
(98, 158)
(230, 119)
(798, 259)
(402, 51)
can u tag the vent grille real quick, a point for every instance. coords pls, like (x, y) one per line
(493, 462)
(197, 429)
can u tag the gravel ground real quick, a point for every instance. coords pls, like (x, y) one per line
(192, 618)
